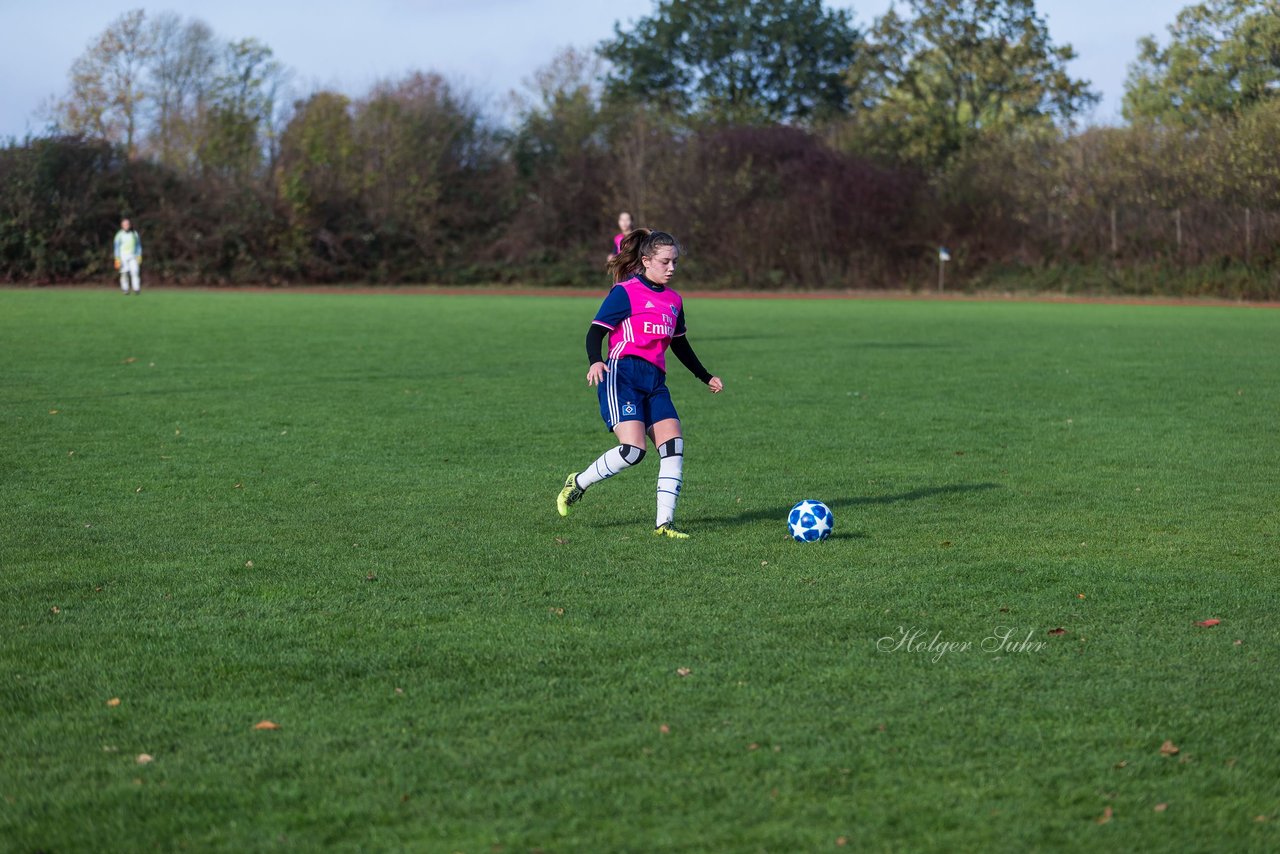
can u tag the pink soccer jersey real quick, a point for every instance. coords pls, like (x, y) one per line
(617, 243)
(641, 321)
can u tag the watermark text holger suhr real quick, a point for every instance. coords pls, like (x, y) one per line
(1004, 639)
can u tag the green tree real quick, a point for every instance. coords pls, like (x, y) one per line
(317, 151)
(737, 61)
(560, 110)
(1223, 56)
(239, 129)
(956, 70)
(317, 180)
(425, 159)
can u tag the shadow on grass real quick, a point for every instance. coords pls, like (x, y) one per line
(843, 535)
(919, 494)
(900, 345)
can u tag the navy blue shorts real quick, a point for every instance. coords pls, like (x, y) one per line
(634, 390)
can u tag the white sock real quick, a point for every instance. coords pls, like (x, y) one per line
(670, 479)
(610, 463)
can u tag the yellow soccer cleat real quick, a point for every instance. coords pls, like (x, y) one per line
(570, 495)
(666, 529)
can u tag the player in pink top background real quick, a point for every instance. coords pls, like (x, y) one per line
(642, 318)
(624, 228)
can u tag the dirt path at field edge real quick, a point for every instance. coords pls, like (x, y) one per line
(929, 296)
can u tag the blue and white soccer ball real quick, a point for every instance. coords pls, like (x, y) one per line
(810, 521)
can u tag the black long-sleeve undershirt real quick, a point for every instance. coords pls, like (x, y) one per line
(680, 346)
(684, 352)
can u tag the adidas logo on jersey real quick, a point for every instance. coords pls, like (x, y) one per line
(648, 305)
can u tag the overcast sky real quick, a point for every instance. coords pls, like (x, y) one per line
(488, 45)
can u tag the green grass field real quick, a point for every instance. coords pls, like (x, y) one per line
(335, 512)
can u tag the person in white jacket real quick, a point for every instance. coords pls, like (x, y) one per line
(128, 248)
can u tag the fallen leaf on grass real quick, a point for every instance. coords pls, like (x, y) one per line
(683, 671)
(145, 759)
(841, 842)
(53, 412)
(113, 702)
(1105, 817)
(55, 610)
(664, 729)
(249, 564)
(238, 486)
(1259, 818)
(130, 360)
(1169, 748)
(557, 612)
(399, 690)
(266, 725)
(561, 541)
(1237, 642)
(1079, 595)
(1208, 624)
(372, 576)
(1058, 631)
(1160, 807)
(753, 746)
(139, 489)
(1123, 763)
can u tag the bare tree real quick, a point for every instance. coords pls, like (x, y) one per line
(183, 64)
(108, 84)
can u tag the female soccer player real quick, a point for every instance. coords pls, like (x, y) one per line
(643, 318)
(624, 228)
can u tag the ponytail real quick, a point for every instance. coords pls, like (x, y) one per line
(641, 243)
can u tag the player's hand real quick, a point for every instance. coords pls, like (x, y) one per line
(117, 263)
(595, 374)
(716, 385)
